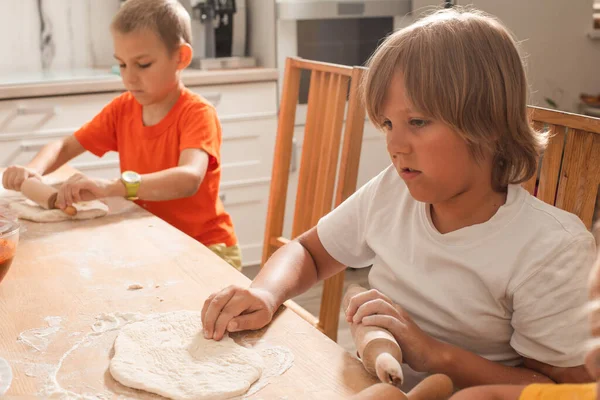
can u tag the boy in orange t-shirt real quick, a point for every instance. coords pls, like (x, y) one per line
(167, 137)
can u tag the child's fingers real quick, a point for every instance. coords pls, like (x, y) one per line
(237, 305)
(214, 310)
(75, 194)
(60, 199)
(361, 298)
(16, 179)
(394, 325)
(373, 307)
(256, 320)
(205, 308)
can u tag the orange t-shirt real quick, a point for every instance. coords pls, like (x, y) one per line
(550, 391)
(192, 123)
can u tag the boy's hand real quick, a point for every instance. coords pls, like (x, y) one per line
(236, 309)
(80, 188)
(373, 308)
(15, 175)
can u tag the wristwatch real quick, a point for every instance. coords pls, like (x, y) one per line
(132, 181)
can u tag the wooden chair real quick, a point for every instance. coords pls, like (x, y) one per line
(569, 174)
(332, 87)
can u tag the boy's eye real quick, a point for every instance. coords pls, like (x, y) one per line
(387, 124)
(418, 123)
(121, 65)
(145, 65)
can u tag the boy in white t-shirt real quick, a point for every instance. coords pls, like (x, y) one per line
(475, 278)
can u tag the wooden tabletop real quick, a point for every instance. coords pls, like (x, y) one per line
(77, 270)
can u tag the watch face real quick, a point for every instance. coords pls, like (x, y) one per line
(131, 177)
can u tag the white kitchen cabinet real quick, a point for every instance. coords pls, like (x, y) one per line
(26, 125)
(248, 115)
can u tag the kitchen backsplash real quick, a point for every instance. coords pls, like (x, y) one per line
(40, 35)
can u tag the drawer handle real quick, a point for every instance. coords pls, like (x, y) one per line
(223, 197)
(32, 146)
(213, 98)
(50, 110)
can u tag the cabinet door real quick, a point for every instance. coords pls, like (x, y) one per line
(50, 114)
(247, 205)
(26, 125)
(241, 99)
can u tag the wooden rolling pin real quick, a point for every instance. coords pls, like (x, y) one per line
(377, 347)
(43, 195)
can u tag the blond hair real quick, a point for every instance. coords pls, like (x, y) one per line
(167, 18)
(462, 67)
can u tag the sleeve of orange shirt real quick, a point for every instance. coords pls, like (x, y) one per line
(100, 134)
(200, 129)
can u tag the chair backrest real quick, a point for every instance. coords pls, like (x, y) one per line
(569, 169)
(333, 95)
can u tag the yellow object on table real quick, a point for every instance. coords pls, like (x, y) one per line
(552, 391)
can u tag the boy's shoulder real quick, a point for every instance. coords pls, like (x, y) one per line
(196, 103)
(551, 219)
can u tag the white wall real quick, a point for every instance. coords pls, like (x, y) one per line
(79, 31)
(562, 61)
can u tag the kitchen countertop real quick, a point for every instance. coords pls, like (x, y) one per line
(96, 81)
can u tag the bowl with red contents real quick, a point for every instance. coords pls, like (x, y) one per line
(9, 239)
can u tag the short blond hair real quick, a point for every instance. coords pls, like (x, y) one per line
(167, 18)
(462, 67)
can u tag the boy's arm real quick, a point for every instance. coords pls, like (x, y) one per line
(468, 369)
(51, 157)
(577, 374)
(170, 184)
(173, 183)
(292, 270)
(55, 154)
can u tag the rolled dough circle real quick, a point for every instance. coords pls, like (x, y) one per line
(26, 209)
(168, 355)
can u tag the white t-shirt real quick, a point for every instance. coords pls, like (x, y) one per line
(510, 287)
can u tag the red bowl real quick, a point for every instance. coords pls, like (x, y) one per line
(9, 240)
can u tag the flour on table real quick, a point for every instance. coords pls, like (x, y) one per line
(39, 338)
(169, 356)
(27, 209)
(277, 360)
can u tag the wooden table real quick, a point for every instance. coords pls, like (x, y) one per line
(77, 270)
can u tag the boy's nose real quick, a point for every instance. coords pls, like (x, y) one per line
(397, 143)
(130, 77)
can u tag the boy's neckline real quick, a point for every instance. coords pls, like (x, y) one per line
(473, 234)
(160, 127)
(157, 113)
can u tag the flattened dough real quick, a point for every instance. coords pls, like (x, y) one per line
(169, 356)
(27, 209)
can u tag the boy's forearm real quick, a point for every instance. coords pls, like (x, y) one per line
(467, 369)
(288, 273)
(55, 154)
(169, 184)
(49, 158)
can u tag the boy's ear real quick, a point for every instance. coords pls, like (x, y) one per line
(185, 56)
